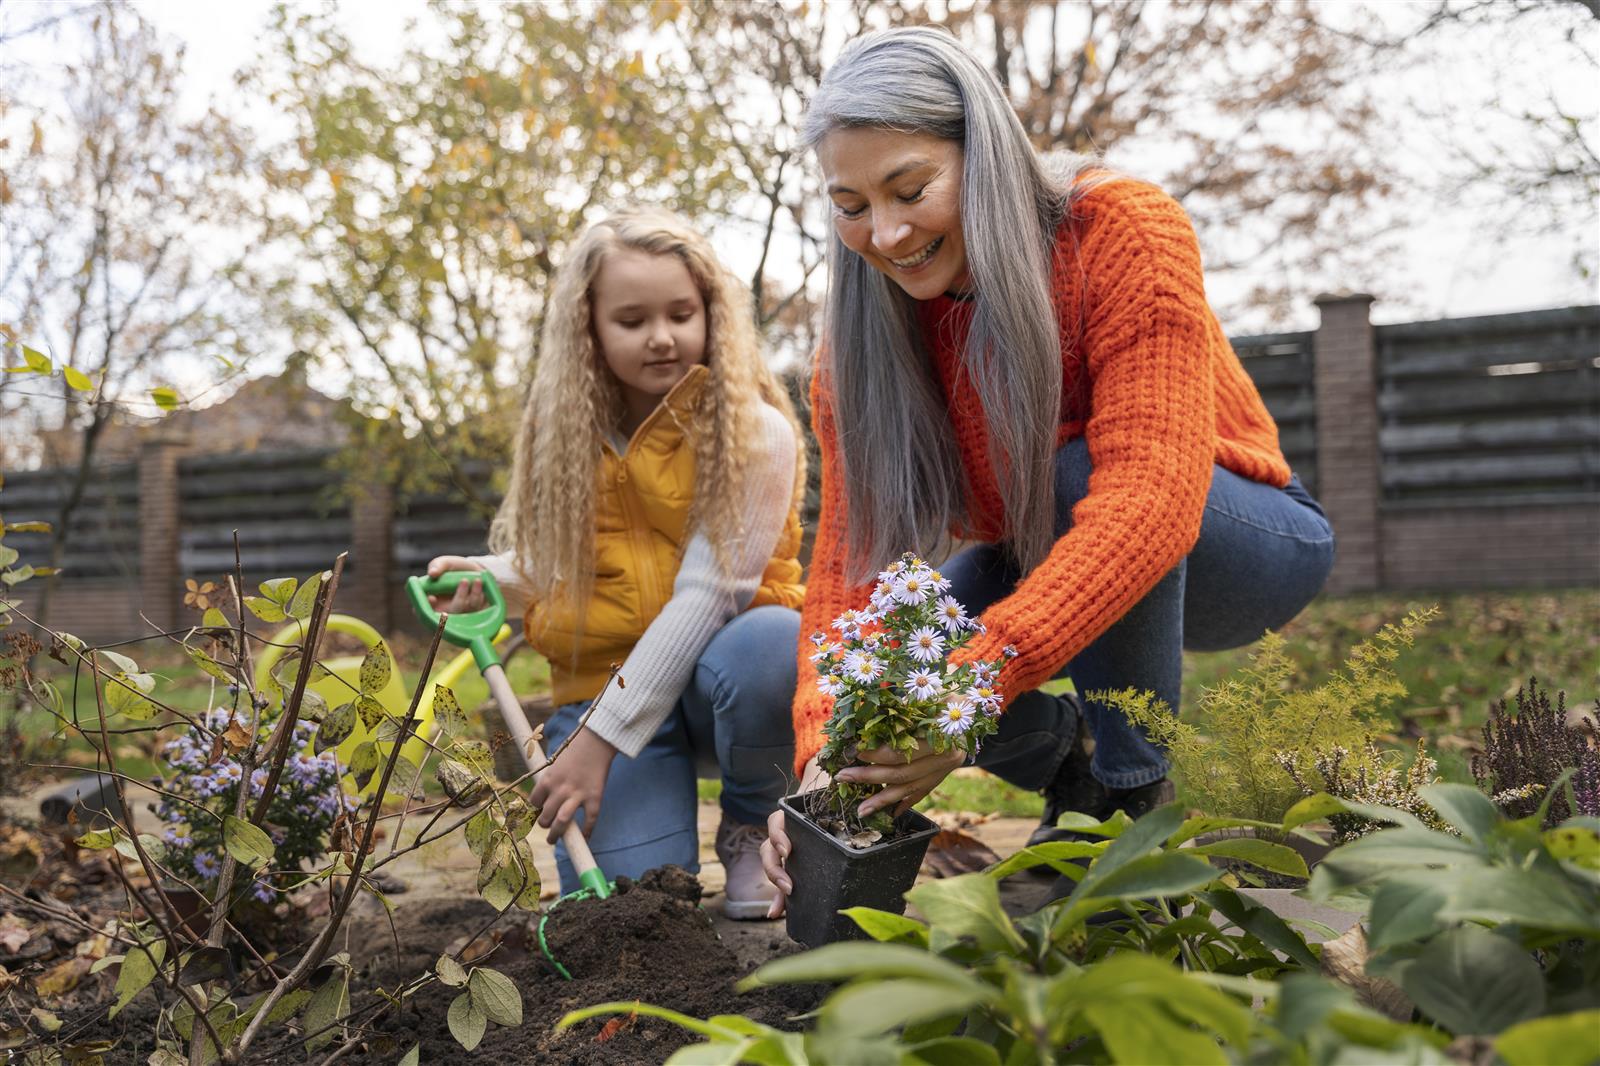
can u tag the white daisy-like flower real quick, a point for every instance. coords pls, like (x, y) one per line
(912, 588)
(893, 569)
(939, 582)
(925, 644)
(957, 716)
(872, 641)
(985, 698)
(977, 627)
(1010, 651)
(951, 614)
(831, 685)
(826, 651)
(862, 667)
(983, 673)
(922, 684)
(819, 639)
(847, 621)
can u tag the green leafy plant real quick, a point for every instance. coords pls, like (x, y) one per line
(1230, 754)
(1144, 961)
(1493, 929)
(893, 686)
(258, 803)
(1525, 752)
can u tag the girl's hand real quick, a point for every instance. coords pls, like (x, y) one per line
(575, 782)
(468, 595)
(905, 782)
(775, 849)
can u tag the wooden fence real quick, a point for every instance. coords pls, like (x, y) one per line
(1462, 453)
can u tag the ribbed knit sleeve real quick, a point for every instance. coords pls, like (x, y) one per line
(1150, 433)
(828, 592)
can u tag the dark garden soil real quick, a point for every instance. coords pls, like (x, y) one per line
(650, 942)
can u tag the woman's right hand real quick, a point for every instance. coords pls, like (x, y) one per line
(468, 595)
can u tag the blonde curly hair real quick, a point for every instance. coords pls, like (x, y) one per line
(548, 515)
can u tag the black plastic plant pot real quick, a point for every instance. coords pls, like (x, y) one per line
(830, 876)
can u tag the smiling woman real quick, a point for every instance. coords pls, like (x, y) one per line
(1023, 357)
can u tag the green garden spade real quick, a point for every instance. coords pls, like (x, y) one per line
(476, 631)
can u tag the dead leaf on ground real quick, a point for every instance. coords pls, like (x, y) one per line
(952, 852)
(615, 1026)
(61, 978)
(14, 932)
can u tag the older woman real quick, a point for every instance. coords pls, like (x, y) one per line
(1026, 360)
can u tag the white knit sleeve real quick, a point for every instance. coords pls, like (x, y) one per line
(705, 597)
(512, 586)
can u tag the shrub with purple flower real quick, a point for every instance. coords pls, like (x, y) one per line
(887, 668)
(203, 780)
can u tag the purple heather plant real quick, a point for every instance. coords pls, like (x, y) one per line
(1526, 752)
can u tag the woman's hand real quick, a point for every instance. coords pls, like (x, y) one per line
(575, 782)
(905, 782)
(468, 595)
(775, 849)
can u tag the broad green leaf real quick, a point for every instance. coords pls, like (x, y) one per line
(954, 1051)
(716, 1054)
(1263, 853)
(450, 971)
(412, 1057)
(1194, 827)
(375, 668)
(1533, 898)
(165, 397)
(363, 764)
(214, 619)
(17, 576)
(496, 995)
(848, 961)
(1405, 909)
(27, 527)
(406, 780)
(1579, 844)
(305, 598)
(1557, 1040)
(313, 708)
(447, 713)
(1057, 854)
(1143, 835)
(121, 662)
(1165, 874)
(247, 843)
(95, 839)
(37, 361)
(280, 590)
(210, 665)
(475, 756)
(329, 1004)
(1304, 1000)
(127, 694)
(339, 724)
(370, 711)
(264, 609)
(1312, 809)
(968, 905)
(77, 379)
(872, 1007)
(479, 832)
(1263, 924)
(8, 555)
(203, 964)
(466, 1020)
(1464, 807)
(1129, 978)
(886, 928)
(459, 783)
(139, 967)
(1473, 982)
(1139, 1032)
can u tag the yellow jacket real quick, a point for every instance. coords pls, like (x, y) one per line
(641, 529)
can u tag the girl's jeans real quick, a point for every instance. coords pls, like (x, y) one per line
(1263, 553)
(733, 721)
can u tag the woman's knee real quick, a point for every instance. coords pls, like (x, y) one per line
(752, 660)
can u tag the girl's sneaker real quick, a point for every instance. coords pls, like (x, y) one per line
(748, 893)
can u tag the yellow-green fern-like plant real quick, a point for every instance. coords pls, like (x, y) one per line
(1230, 752)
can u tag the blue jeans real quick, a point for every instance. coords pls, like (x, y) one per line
(1262, 555)
(732, 721)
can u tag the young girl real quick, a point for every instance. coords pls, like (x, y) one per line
(1026, 360)
(651, 520)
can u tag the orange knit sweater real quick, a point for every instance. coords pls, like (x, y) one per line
(1152, 384)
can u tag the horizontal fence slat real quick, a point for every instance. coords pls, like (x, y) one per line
(1490, 433)
(1556, 390)
(1490, 469)
(288, 479)
(1404, 361)
(262, 460)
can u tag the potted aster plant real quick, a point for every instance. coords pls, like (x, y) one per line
(887, 667)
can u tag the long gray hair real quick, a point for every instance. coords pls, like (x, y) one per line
(903, 479)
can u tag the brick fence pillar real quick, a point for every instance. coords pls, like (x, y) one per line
(160, 592)
(364, 590)
(1348, 481)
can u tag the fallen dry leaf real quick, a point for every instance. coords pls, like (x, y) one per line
(952, 852)
(14, 932)
(61, 978)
